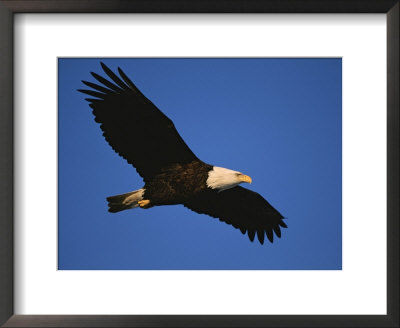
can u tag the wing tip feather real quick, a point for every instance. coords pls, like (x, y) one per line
(103, 66)
(270, 235)
(251, 234)
(260, 235)
(283, 224)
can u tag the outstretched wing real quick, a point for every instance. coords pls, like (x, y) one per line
(134, 127)
(243, 209)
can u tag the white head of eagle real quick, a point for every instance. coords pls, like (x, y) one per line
(147, 139)
(221, 178)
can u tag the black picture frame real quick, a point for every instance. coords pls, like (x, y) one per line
(10, 7)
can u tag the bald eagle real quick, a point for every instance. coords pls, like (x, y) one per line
(172, 173)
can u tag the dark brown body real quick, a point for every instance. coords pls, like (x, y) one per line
(177, 183)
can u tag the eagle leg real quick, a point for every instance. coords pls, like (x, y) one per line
(144, 203)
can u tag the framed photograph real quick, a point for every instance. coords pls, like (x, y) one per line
(199, 164)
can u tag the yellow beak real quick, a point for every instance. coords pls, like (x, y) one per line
(245, 178)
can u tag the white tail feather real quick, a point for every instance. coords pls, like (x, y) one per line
(125, 201)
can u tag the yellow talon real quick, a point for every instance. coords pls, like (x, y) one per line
(143, 203)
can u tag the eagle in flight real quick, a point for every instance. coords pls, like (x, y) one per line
(172, 173)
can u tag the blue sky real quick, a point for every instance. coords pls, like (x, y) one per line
(276, 120)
